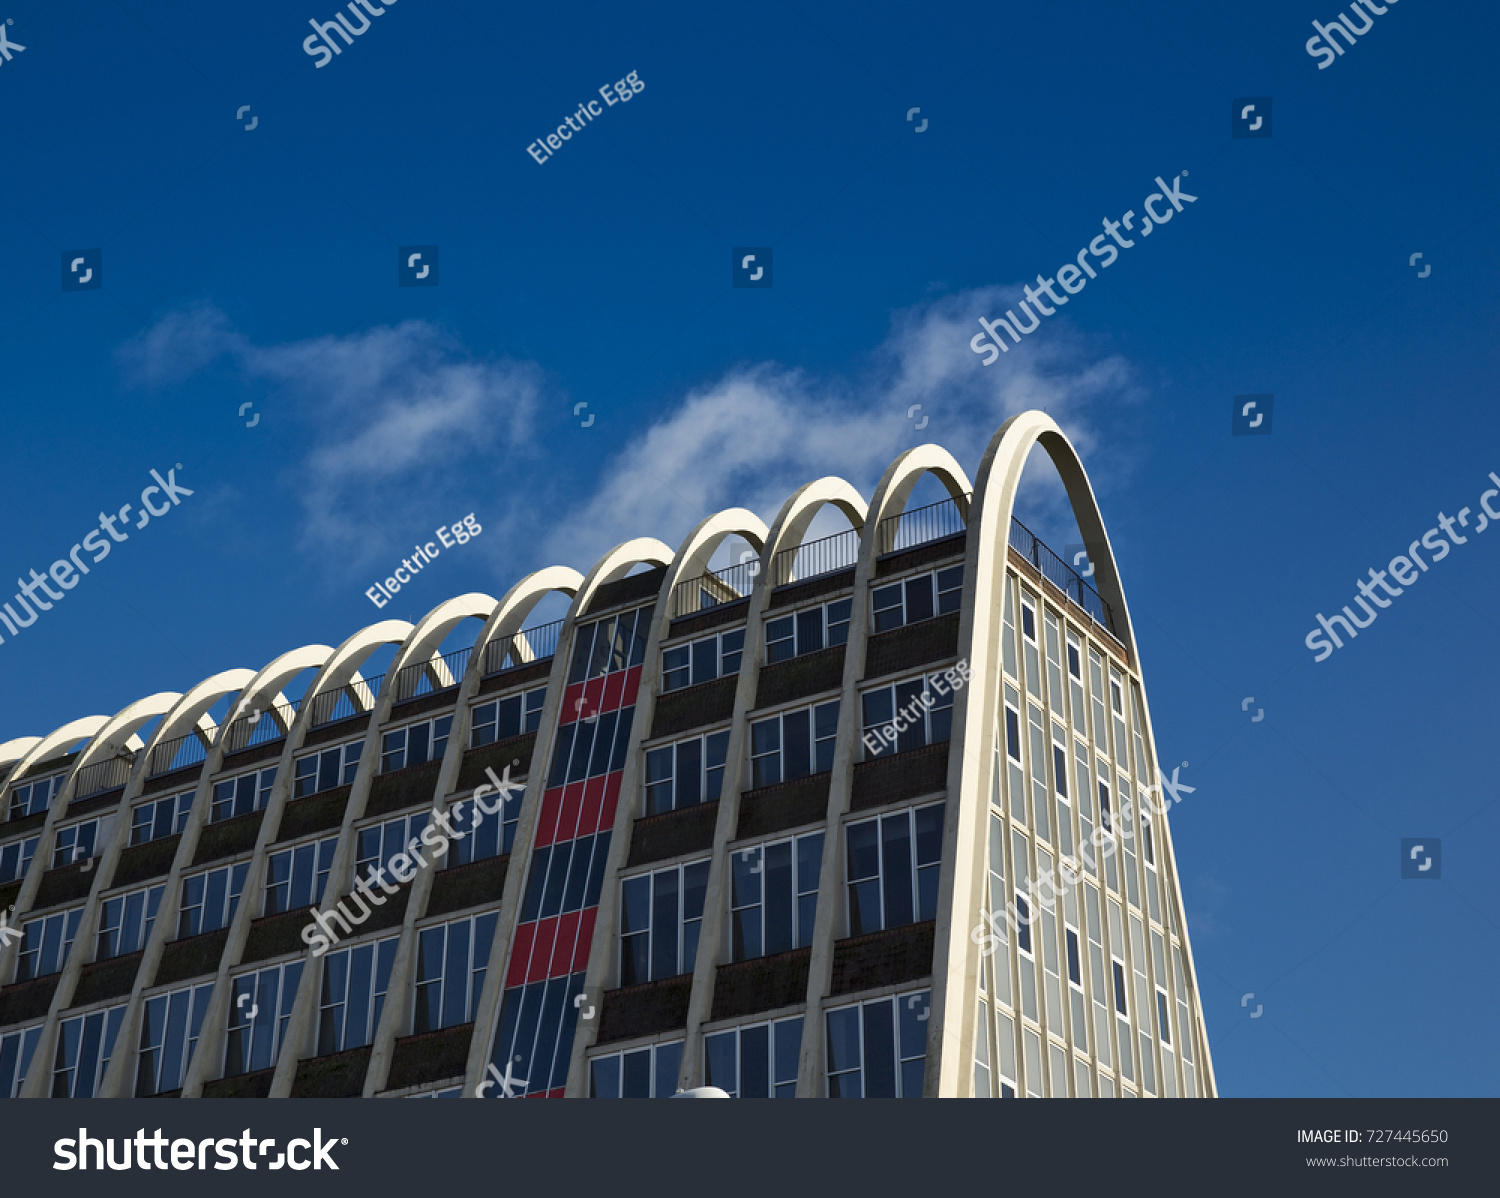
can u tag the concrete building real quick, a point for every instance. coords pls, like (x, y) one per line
(871, 814)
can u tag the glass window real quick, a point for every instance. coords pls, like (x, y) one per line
(879, 1049)
(687, 773)
(642, 1073)
(259, 1010)
(353, 995)
(591, 747)
(16, 1051)
(379, 843)
(567, 876)
(250, 792)
(81, 842)
(774, 895)
(501, 719)
(209, 899)
(757, 1061)
(892, 865)
(45, 943)
(793, 744)
(451, 963)
(326, 769)
(661, 914)
(807, 631)
(160, 819)
(15, 858)
(918, 598)
(170, 1024)
(703, 660)
(84, 1047)
(909, 714)
(126, 920)
(484, 835)
(614, 643)
(34, 796)
(296, 877)
(538, 1022)
(415, 744)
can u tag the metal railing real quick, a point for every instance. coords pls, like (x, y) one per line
(1062, 576)
(522, 648)
(812, 559)
(435, 674)
(177, 753)
(917, 526)
(103, 776)
(354, 698)
(260, 727)
(713, 588)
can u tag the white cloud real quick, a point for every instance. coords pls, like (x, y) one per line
(755, 435)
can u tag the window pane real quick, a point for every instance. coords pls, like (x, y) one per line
(880, 1050)
(779, 898)
(919, 605)
(796, 751)
(664, 924)
(895, 835)
(755, 1062)
(719, 1064)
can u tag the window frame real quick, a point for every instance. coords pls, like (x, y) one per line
(35, 801)
(288, 975)
(727, 657)
(95, 1034)
(710, 773)
(929, 721)
(786, 1087)
(802, 888)
(827, 628)
(938, 594)
(99, 827)
(51, 943)
(144, 921)
(382, 956)
(260, 793)
(323, 849)
(480, 926)
(176, 819)
(528, 717)
(188, 1026)
(25, 853)
(687, 938)
(920, 872)
(672, 1050)
(235, 874)
(903, 1077)
(430, 748)
(815, 743)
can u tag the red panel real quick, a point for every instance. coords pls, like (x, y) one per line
(593, 697)
(567, 824)
(541, 957)
(571, 696)
(585, 938)
(567, 937)
(520, 955)
(546, 828)
(611, 797)
(632, 684)
(614, 687)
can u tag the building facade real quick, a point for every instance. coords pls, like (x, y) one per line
(874, 814)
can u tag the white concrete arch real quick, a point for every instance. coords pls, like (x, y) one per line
(433, 628)
(119, 732)
(190, 714)
(699, 546)
(513, 610)
(69, 734)
(790, 526)
(13, 750)
(999, 478)
(341, 670)
(613, 566)
(264, 690)
(900, 479)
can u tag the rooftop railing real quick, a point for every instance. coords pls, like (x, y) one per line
(354, 698)
(260, 727)
(103, 776)
(1062, 576)
(713, 588)
(917, 526)
(812, 559)
(435, 674)
(522, 648)
(177, 753)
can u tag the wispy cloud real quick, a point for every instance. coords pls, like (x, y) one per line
(396, 410)
(753, 436)
(406, 410)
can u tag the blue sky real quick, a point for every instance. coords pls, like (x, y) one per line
(259, 266)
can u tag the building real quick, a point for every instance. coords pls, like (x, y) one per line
(795, 827)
